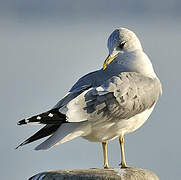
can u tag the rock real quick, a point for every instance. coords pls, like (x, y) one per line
(131, 173)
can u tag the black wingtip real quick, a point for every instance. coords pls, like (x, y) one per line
(18, 146)
(22, 122)
(25, 142)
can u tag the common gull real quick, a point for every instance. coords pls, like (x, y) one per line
(104, 104)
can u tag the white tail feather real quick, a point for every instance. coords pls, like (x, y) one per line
(64, 133)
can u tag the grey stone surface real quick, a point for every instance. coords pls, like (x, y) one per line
(97, 174)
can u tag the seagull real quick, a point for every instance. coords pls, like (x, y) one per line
(105, 104)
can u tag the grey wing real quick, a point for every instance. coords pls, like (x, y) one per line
(52, 124)
(121, 96)
(92, 79)
(85, 82)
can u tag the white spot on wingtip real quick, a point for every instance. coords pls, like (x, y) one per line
(50, 115)
(38, 117)
(26, 120)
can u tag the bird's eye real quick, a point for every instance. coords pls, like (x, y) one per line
(121, 45)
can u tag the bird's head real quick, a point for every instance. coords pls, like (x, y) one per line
(120, 41)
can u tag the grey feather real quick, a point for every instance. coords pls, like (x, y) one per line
(123, 97)
(105, 104)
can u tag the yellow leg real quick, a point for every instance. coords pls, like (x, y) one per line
(123, 161)
(104, 146)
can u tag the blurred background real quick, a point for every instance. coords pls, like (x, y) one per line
(45, 46)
